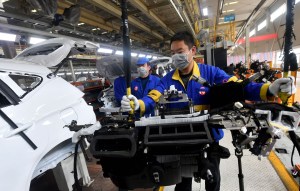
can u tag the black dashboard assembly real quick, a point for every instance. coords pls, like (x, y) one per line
(159, 150)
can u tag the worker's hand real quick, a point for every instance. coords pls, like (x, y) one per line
(125, 103)
(285, 85)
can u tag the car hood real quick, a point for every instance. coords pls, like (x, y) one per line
(52, 52)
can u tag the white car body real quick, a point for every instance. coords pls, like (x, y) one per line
(41, 114)
(163, 65)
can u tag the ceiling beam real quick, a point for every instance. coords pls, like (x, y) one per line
(249, 19)
(116, 11)
(128, 13)
(185, 17)
(157, 5)
(88, 17)
(150, 14)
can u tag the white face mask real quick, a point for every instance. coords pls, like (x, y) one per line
(180, 61)
(142, 71)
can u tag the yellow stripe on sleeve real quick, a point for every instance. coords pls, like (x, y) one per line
(263, 91)
(142, 107)
(155, 95)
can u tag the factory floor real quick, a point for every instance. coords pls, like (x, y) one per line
(259, 175)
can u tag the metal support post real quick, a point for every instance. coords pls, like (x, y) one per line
(239, 154)
(72, 71)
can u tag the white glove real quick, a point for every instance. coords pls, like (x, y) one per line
(125, 103)
(285, 85)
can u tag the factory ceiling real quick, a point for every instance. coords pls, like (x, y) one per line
(151, 22)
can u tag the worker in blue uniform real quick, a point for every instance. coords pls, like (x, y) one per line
(119, 89)
(183, 49)
(142, 85)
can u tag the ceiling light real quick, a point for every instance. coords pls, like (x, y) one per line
(7, 37)
(233, 2)
(252, 33)
(176, 9)
(278, 12)
(94, 29)
(297, 1)
(205, 11)
(154, 57)
(262, 25)
(227, 11)
(119, 52)
(80, 24)
(149, 56)
(142, 55)
(104, 32)
(133, 54)
(33, 11)
(33, 40)
(105, 50)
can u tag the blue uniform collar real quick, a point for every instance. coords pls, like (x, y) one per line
(196, 72)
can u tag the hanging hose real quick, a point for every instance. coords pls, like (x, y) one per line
(290, 61)
(126, 52)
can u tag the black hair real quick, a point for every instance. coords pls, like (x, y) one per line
(185, 36)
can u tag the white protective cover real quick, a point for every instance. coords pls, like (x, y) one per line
(42, 115)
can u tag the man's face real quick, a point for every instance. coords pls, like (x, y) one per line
(179, 47)
(146, 67)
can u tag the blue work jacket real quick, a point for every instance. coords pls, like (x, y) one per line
(138, 91)
(199, 93)
(119, 89)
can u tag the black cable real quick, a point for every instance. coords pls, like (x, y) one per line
(292, 162)
(77, 185)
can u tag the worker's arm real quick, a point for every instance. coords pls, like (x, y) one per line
(119, 89)
(252, 91)
(147, 103)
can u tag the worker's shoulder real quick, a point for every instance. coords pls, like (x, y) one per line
(153, 77)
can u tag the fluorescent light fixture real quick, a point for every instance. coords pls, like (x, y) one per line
(233, 2)
(278, 12)
(142, 55)
(7, 37)
(205, 11)
(133, 54)
(33, 11)
(33, 40)
(80, 24)
(94, 29)
(149, 56)
(227, 11)
(119, 52)
(176, 9)
(262, 25)
(154, 57)
(105, 50)
(252, 33)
